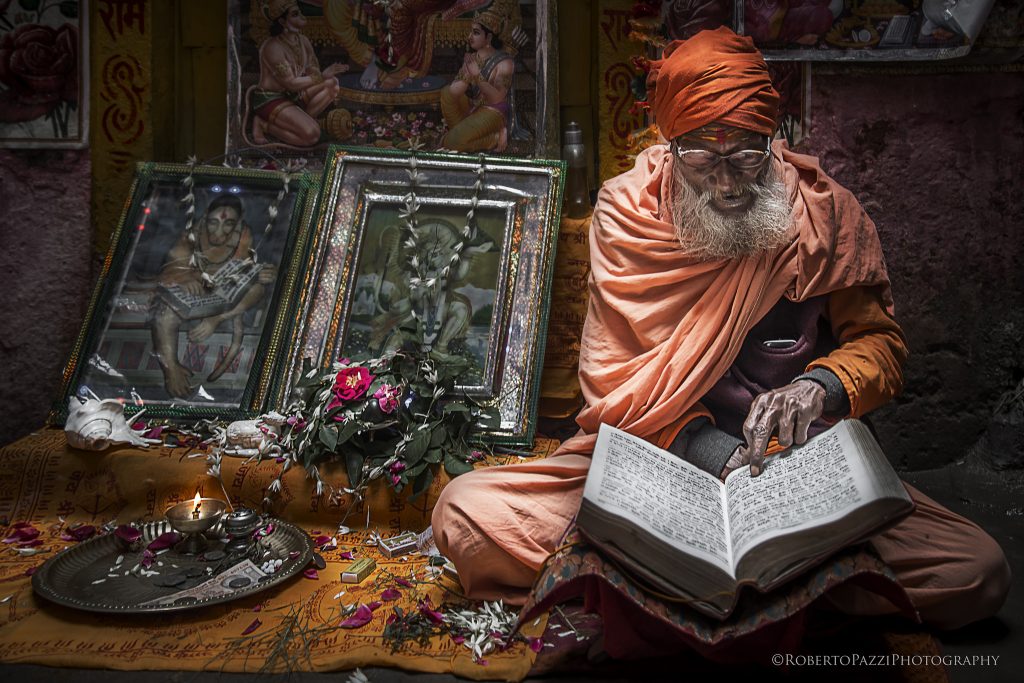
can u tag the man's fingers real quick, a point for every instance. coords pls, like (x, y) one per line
(786, 422)
(753, 419)
(803, 424)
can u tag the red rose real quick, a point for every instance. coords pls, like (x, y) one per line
(39, 66)
(351, 383)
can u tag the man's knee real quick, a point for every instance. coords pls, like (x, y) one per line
(450, 519)
(982, 581)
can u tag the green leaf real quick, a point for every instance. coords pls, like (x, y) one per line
(433, 455)
(437, 436)
(348, 430)
(416, 469)
(455, 466)
(329, 438)
(354, 467)
(69, 8)
(455, 407)
(415, 449)
(422, 483)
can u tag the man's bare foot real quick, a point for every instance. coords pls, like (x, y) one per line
(177, 380)
(203, 330)
(259, 130)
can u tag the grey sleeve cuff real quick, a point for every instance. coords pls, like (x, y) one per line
(705, 445)
(837, 403)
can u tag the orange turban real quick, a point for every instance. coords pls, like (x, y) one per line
(715, 76)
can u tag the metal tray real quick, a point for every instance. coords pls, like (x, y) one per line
(79, 577)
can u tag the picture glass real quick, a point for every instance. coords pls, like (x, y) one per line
(373, 282)
(464, 317)
(169, 332)
(466, 76)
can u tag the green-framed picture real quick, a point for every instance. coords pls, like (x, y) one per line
(187, 315)
(470, 281)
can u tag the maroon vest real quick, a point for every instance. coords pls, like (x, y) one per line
(760, 367)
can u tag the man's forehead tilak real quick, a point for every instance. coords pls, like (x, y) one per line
(223, 213)
(717, 134)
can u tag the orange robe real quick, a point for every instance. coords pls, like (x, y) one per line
(661, 329)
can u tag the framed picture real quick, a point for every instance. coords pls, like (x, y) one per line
(460, 75)
(470, 280)
(187, 315)
(44, 74)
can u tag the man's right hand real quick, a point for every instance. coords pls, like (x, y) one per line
(787, 411)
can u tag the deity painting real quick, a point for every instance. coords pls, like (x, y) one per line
(188, 298)
(462, 76)
(439, 289)
(43, 75)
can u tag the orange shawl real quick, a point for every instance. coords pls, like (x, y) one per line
(663, 327)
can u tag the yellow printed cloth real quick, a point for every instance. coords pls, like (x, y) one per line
(53, 487)
(560, 393)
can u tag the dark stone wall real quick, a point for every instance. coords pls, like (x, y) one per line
(45, 278)
(938, 162)
(936, 159)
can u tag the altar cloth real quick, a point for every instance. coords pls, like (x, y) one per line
(53, 487)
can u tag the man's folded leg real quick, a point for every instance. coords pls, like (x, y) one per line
(499, 524)
(953, 572)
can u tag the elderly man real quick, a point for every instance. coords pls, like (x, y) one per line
(737, 293)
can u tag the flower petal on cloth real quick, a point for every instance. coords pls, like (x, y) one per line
(361, 617)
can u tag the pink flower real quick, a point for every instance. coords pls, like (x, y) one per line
(347, 555)
(23, 533)
(351, 383)
(128, 534)
(251, 627)
(362, 617)
(311, 573)
(390, 594)
(297, 423)
(431, 614)
(536, 644)
(79, 533)
(402, 582)
(397, 467)
(165, 540)
(147, 558)
(395, 480)
(322, 540)
(387, 398)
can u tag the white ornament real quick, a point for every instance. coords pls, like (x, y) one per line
(94, 425)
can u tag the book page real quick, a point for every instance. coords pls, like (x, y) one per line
(671, 498)
(813, 484)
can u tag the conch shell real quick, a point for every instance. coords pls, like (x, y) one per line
(94, 425)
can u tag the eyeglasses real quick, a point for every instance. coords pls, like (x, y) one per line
(705, 160)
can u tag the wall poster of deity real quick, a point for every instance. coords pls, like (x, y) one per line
(467, 76)
(44, 74)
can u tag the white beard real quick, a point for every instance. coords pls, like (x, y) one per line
(707, 234)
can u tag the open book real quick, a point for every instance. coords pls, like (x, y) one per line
(688, 535)
(230, 284)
